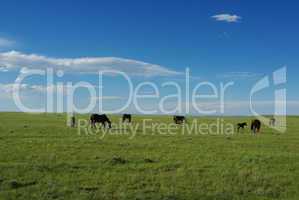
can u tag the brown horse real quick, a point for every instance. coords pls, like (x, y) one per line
(255, 126)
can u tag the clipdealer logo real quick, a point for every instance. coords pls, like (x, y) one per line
(278, 79)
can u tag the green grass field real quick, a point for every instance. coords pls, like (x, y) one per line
(42, 158)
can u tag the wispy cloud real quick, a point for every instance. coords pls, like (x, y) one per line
(4, 42)
(239, 75)
(8, 88)
(236, 107)
(16, 60)
(6, 91)
(109, 98)
(227, 18)
(231, 107)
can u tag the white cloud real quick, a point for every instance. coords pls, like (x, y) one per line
(4, 42)
(16, 60)
(227, 18)
(3, 70)
(6, 91)
(260, 104)
(236, 107)
(8, 88)
(231, 107)
(239, 75)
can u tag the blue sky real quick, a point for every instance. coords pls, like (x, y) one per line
(219, 41)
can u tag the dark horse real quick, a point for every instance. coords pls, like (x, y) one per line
(255, 126)
(127, 117)
(179, 119)
(102, 119)
(241, 125)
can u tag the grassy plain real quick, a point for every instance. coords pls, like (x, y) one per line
(42, 158)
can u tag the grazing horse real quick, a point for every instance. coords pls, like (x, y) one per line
(241, 125)
(255, 126)
(179, 119)
(102, 119)
(127, 117)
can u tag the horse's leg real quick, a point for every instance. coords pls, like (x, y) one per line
(253, 130)
(109, 124)
(92, 125)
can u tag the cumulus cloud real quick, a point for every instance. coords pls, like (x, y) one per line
(227, 18)
(13, 60)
